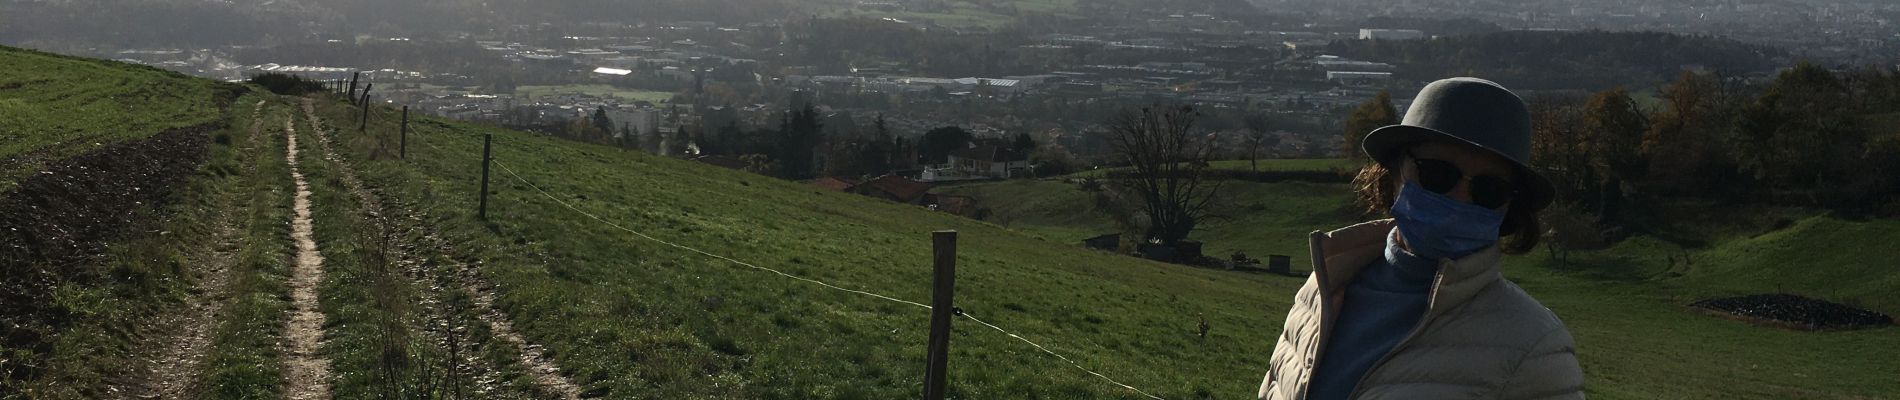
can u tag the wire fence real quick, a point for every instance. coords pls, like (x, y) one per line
(557, 200)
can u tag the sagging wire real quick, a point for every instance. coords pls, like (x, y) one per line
(959, 311)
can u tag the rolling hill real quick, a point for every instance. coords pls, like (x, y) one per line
(604, 272)
(1627, 305)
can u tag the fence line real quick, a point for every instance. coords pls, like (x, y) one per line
(959, 311)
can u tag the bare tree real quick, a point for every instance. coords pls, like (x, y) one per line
(1170, 159)
(1256, 142)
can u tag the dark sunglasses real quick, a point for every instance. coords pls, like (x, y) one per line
(1442, 176)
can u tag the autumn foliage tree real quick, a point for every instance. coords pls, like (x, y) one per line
(1684, 146)
(1614, 127)
(1370, 115)
(1807, 138)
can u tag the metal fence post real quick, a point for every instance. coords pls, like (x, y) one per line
(943, 286)
(487, 141)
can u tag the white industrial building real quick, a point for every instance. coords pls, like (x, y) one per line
(1390, 34)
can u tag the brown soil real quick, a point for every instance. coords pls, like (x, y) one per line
(57, 221)
(308, 372)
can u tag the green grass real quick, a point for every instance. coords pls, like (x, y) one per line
(1626, 304)
(1821, 256)
(1054, 210)
(958, 18)
(377, 334)
(244, 360)
(1045, 6)
(1277, 164)
(627, 317)
(54, 106)
(633, 318)
(148, 275)
(624, 94)
(1257, 218)
(960, 14)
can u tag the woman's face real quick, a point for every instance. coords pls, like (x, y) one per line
(1470, 160)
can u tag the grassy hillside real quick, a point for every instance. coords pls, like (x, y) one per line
(1626, 305)
(1278, 164)
(53, 106)
(181, 229)
(626, 316)
(1257, 218)
(630, 317)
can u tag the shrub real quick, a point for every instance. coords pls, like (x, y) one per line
(289, 85)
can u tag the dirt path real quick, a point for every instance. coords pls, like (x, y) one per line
(308, 373)
(444, 330)
(171, 364)
(463, 275)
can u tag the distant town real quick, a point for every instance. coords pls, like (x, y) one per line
(1272, 90)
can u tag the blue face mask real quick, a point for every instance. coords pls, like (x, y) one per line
(1436, 226)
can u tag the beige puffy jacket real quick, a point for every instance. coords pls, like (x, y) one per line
(1481, 337)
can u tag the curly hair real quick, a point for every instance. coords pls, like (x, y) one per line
(1376, 187)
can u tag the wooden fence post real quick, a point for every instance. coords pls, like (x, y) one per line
(402, 152)
(487, 140)
(943, 286)
(352, 93)
(365, 124)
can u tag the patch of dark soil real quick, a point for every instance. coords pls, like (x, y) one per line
(1795, 312)
(61, 217)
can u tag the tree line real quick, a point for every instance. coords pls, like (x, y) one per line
(1810, 137)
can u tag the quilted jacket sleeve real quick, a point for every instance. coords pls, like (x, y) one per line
(1548, 371)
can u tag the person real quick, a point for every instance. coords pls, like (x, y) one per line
(1413, 307)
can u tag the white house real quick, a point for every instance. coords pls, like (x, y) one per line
(989, 161)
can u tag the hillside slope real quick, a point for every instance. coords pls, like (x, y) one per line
(132, 206)
(628, 316)
(1626, 305)
(53, 107)
(620, 273)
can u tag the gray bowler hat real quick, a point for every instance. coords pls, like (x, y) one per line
(1472, 111)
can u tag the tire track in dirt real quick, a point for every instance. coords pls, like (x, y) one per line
(174, 365)
(307, 372)
(465, 276)
(441, 326)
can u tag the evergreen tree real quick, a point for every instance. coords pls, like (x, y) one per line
(603, 126)
(1023, 144)
(875, 156)
(798, 138)
(939, 143)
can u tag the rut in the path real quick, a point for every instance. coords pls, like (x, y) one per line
(532, 357)
(173, 363)
(308, 373)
